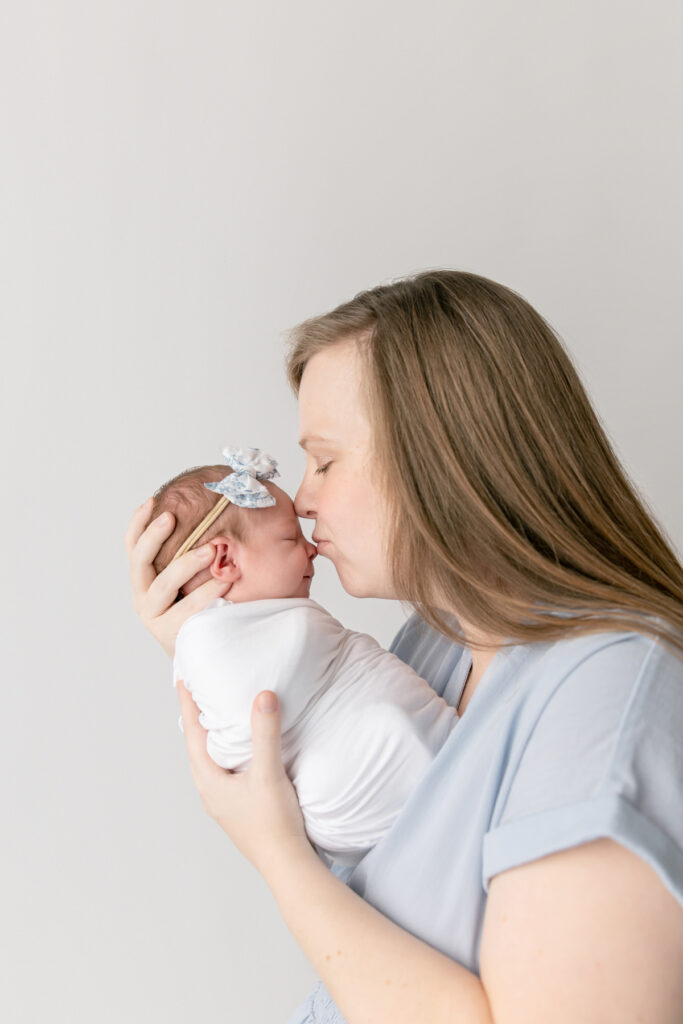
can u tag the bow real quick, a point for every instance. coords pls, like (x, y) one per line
(242, 486)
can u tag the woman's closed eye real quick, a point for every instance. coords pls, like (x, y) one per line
(324, 469)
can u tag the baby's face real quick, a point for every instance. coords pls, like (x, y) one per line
(275, 558)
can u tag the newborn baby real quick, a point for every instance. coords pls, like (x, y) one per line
(359, 727)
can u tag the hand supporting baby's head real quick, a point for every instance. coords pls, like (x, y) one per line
(261, 552)
(189, 501)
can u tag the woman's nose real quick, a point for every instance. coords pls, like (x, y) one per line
(303, 505)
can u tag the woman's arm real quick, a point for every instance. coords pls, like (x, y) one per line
(589, 934)
(374, 970)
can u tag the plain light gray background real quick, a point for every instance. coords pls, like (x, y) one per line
(182, 182)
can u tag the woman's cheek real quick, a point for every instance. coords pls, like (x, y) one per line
(337, 495)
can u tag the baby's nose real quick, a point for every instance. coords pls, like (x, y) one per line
(311, 550)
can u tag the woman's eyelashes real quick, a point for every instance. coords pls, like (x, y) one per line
(323, 469)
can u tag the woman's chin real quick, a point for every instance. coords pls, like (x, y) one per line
(356, 583)
(356, 587)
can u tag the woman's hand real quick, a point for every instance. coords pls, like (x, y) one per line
(258, 808)
(154, 596)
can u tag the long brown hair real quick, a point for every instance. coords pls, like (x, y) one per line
(507, 499)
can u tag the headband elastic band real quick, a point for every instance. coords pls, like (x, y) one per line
(206, 522)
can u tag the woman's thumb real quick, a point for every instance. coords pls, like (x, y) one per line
(267, 701)
(265, 728)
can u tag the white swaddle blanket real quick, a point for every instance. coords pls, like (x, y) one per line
(359, 726)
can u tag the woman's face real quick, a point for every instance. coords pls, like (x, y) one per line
(340, 489)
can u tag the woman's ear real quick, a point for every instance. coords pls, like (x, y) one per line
(226, 562)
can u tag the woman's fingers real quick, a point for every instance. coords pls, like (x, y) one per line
(142, 572)
(198, 599)
(137, 524)
(166, 626)
(202, 766)
(163, 589)
(266, 763)
(194, 602)
(154, 596)
(145, 550)
(195, 736)
(257, 808)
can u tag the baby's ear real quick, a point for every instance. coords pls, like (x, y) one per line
(225, 565)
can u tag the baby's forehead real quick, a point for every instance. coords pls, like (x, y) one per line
(282, 513)
(282, 499)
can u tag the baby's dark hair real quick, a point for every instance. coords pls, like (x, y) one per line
(189, 501)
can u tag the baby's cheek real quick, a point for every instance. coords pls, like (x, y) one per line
(277, 575)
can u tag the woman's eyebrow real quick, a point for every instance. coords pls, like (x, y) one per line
(305, 441)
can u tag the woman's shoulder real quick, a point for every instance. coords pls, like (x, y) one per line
(625, 663)
(563, 657)
(594, 748)
(588, 698)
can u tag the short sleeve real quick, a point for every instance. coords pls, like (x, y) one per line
(603, 758)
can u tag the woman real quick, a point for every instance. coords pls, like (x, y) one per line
(536, 873)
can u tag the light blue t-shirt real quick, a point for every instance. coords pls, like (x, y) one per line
(560, 744)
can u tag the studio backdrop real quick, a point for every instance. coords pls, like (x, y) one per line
(181, 183)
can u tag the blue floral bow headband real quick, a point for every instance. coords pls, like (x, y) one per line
(242, 487)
